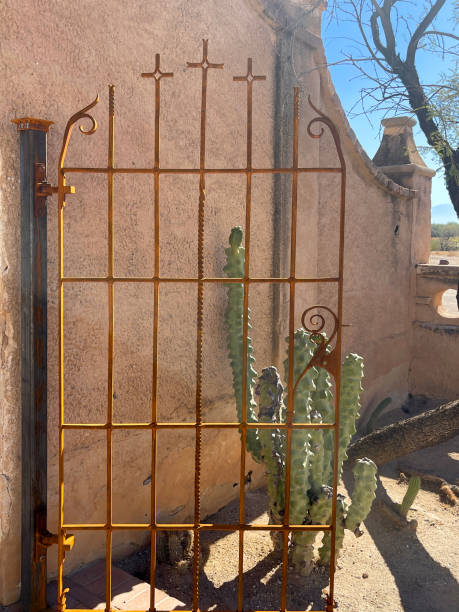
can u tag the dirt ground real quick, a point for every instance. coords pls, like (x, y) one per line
(388, 568)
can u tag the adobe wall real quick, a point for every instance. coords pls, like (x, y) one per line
(436, 334)
(387, 234)
(57, 55)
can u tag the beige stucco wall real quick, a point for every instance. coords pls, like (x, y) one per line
(436, 333)
(381, 228)
(56, 56)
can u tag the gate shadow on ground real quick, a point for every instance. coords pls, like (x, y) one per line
(262, 583)
(422, 582)
(259, 592)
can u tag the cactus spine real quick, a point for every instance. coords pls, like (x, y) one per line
(311, 458)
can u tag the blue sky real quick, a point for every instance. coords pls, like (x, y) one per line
(335, 37)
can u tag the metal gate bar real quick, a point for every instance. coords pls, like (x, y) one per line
(157, 75)
(249, 78)
(330, 361)
(291, 342)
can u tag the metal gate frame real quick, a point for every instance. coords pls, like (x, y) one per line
(327, 355)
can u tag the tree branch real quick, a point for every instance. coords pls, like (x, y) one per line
(420, 30)
(376, 35)
(358, 17)
(438, 33)
(412, 95)
(383, 12)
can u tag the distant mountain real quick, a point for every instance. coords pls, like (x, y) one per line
(444, 213)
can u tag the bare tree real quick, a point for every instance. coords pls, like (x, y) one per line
(392, 34)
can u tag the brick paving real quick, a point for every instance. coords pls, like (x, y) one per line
(87, 591)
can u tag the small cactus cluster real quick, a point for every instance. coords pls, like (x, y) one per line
(311, 458)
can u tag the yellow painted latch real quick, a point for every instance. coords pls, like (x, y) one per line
(45, 539)
(43, 189)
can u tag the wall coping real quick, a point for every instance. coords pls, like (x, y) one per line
(401, 121)
(408, 169)
(377, 173)
(450, 330)
(438, 272)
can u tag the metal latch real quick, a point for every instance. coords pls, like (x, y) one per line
(43, 189)
(45, 539)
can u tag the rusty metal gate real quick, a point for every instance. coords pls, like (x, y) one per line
(326, 356)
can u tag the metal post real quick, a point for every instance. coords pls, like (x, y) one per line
(33, 136)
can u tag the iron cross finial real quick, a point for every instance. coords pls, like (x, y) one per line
(157, 74)
(249, 77)
(204, 63)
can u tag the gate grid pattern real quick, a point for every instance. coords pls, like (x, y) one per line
(326, 356)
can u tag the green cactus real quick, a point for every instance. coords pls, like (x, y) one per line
(351, 388)
(235, 258)
(312, 450)
(269, 390)
(322, 399)
(325, 549)
(300, 455)
(363, 495)
(303, 548)
(413, 489)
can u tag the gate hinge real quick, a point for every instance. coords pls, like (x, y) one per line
(47, 539)
(43, 189)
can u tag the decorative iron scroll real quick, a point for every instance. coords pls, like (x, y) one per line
(80, 115)
(315, 319)
(322, 357)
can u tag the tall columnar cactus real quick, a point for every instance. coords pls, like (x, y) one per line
(269, 391)
(363, 495)
(351, 374)
(300, 470)
(319, 514)
(311, 459)
(322, 399)
(235, 257)
(325, 549)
